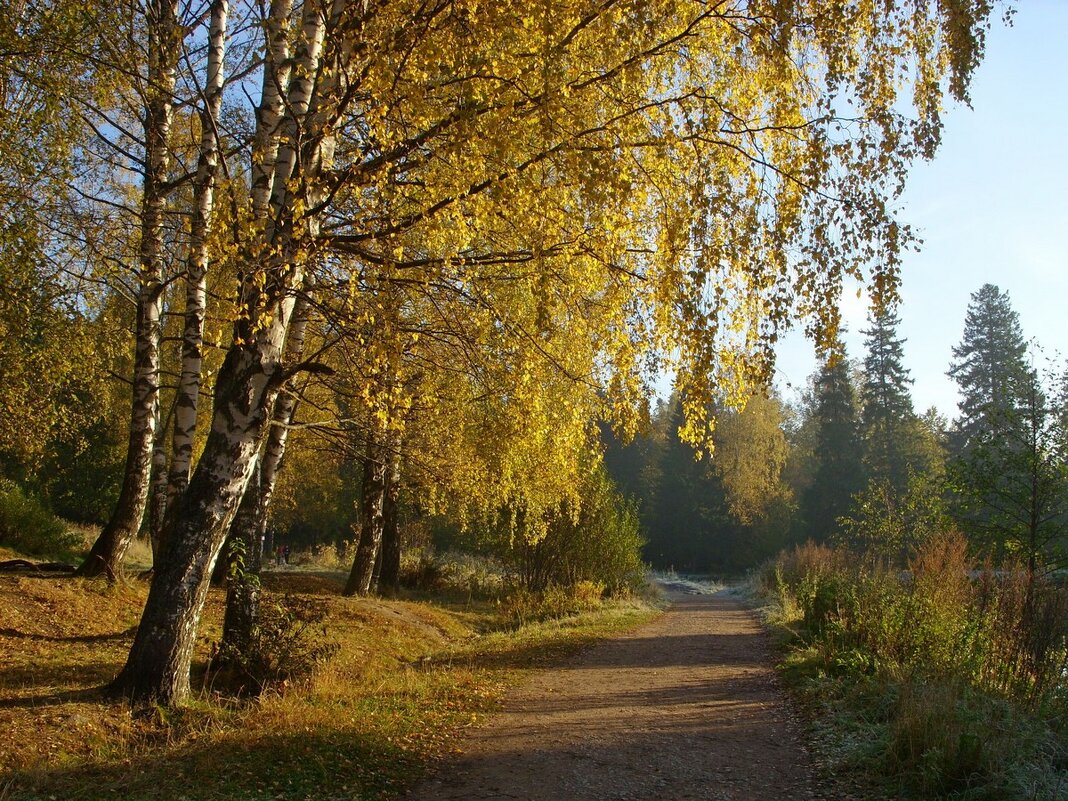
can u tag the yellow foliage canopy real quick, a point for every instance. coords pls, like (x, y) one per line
(537, 207)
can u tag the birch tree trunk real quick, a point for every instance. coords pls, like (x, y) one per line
(389, 578)
(276, 71)
(164, 41)
(157, 506)
(250, 523)
(157, 668)
(186, 400)
(374, 492)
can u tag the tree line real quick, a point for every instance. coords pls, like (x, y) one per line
(852, 462)
(440, 241)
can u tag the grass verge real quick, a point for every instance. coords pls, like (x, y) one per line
(408, 679)
(909, 682)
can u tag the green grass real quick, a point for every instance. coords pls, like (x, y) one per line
(410, 676)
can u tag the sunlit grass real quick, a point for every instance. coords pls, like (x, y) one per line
(408, 679)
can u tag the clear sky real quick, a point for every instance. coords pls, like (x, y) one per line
(991, 208)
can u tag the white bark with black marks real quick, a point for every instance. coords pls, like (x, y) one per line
(109, 550)
(250, 523)
(197, 522)
(157, 668)
(196, 291)
(276, 72)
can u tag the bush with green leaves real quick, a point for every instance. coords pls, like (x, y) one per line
(1004, 631)
(600, 543)
(27, 526)
(892, 523)
(287, 644)
(553, 602)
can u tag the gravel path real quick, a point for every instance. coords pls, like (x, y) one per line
(685, 707)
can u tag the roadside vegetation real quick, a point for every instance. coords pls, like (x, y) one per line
(925, 622)
(343, 697)
(943, 680)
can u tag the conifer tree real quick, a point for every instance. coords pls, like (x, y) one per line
(840, 470)
(1008, 471)
(680, 534)
(990, 368)
(886, 405)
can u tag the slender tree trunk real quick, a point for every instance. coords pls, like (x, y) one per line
(276, 73)
(157, 507)
(157, 668)
(250, 523)
(389, 579)
(186, 400)
(374, 491)
(376, 571)
(110, 548)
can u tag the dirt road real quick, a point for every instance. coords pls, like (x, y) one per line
(685, 707)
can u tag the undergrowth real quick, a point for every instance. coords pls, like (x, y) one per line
(29, 527)
(944, 680)
(404, 681)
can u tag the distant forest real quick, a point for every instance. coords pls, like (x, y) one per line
(853, 462)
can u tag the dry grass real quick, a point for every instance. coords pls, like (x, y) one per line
(942, 681)
(409, 677)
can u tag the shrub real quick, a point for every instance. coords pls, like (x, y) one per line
(966, 669)
(421, 571)
(600, 544)
(27, 526)
(461, 575)
(1023, 635)
(287, 644)
(525, 606)
(892, 522)
(810, 559)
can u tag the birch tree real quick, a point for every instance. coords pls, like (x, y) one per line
(608, 203)
(253, 370)
(188, 395)
(163, 44)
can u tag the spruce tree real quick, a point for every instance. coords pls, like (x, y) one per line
(887, 419)
(1008, 471)
(990, 368)
(682, 526)
(840, 471)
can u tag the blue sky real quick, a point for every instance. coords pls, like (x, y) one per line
(991, 208)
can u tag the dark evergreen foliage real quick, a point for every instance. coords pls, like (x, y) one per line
(990, 368)
(838, 452)
(887, 419)
(684, 507)
(1010, 473)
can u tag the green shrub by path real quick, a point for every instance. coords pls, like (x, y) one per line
(287, 645)
(601, 543)
(28, 527)
(523, 606)
(946, 680)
